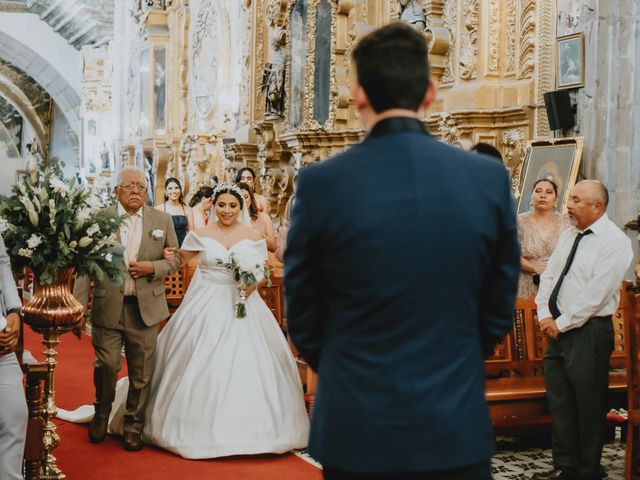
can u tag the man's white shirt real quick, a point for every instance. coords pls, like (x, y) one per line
(591, 287)
(131, 245)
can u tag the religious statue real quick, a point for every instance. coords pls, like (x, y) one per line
(273, 88)
(104, 157)
(413, 14)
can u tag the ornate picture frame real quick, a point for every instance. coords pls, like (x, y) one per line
(558, 159)
(570, 61)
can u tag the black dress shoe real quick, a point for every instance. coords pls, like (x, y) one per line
(553, 475)
(132, 441)
(98, 428)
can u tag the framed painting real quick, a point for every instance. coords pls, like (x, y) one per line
(570, 61)
(555, 159)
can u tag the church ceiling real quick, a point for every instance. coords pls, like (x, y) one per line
(37, 96)
(80, 22)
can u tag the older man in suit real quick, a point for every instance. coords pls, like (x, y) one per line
(13, 406)
(128, 314)
(400, 278)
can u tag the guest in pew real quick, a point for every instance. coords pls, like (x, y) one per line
(579, 291)
(397, 290)
(538, 232)
(13, 405)
(283, 229)
(259, 221)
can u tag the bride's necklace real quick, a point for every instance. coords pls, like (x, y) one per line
(228, 234)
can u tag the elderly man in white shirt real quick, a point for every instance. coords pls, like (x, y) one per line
(579, 292)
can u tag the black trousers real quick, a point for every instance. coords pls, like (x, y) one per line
(576, 372)
(480, 471)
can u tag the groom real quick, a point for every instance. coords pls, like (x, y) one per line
(128, 314)
(400, 279)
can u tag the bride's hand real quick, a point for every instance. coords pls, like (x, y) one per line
(247, 291)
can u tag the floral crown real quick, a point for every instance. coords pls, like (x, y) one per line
(228, 187)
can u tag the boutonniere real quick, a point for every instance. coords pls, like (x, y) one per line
(156, 234)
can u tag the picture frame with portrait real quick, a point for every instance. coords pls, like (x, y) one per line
(557, 159)
(570, 61)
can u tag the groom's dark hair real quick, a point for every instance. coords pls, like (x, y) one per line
(392, 67)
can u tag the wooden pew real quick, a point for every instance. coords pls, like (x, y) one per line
(35, 375)
(632, 329)
(515, 388)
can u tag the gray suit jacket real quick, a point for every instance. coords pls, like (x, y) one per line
(9, 298)
(108, 296)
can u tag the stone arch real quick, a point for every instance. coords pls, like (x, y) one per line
(23, 57)
(20, 101)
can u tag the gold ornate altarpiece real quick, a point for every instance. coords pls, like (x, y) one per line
(491, 59)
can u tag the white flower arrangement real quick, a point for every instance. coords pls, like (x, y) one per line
(62, 226)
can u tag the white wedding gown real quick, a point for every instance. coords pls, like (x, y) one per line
(222, 385)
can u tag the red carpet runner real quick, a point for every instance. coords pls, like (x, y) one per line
(82, 460)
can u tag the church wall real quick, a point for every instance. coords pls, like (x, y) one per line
(608, 107)
(241, 80)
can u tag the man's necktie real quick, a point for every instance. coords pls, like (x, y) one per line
(553, 299)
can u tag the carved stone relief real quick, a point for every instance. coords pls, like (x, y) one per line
(413, 14)
(204, 48)
(469, 39)
(494, 39)
(511, 37)
(450, 19)
(527, 35)
(514, 143)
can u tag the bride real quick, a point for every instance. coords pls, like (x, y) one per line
(222, 385)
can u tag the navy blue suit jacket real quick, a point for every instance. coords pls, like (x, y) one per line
(401, 265)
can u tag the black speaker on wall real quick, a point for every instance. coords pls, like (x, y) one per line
(559, 110)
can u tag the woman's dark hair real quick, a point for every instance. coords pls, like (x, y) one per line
(487, 149)
(548, 180)
(245, 169)
(253, 209)
(392, 67)
(177, 182)
(220, 191)
(203, 192)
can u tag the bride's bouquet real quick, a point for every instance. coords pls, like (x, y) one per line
(248, 270)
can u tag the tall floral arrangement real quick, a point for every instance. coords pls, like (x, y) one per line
(53, 223)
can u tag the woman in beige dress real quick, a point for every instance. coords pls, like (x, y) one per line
(539, 230)
(259, 221)
(248, 176)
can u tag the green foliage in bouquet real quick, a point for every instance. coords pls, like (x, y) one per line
(53, 223)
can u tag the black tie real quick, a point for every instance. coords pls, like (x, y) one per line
(553, 299)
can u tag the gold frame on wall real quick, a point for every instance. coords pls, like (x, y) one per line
(564, 61)
(559, 158)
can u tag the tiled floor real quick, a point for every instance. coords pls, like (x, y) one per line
(518, 459)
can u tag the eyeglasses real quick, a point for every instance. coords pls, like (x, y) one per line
(130, 187)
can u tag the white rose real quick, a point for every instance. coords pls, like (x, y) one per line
(93, 202)
(34, 241)
(250, 263)
(84, 241)
(157, 234)
(25, 252)
(93, 229)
